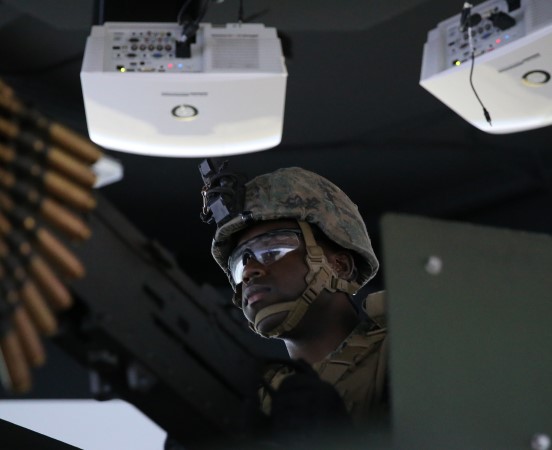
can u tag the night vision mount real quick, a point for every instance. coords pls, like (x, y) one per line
(223, 192)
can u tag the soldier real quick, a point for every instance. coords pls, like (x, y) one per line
(295, 256)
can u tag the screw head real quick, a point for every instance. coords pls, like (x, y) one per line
(540, 441)
(434, 265)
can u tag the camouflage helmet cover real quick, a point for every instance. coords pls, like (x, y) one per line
(296, 193)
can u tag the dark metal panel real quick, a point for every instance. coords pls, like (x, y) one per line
(470, 312)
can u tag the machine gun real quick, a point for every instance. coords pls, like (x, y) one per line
(156, 339)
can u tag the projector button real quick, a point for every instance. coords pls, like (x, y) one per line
(184, 112)
(536, 78)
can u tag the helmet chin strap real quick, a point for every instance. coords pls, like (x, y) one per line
(321, 276)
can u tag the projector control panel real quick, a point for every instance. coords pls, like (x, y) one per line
(156, 47)
(132, 49)
(495, 27)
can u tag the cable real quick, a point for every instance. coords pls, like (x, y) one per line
(99, 18)
(203, 11)
(485, 112)
(465, 16)
(189, 29)
(240, 12)
(466, 22)
(182, 11)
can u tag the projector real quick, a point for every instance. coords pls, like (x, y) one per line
(221, 93)
(513, 63)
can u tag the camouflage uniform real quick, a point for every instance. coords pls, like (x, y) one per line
(357, 368)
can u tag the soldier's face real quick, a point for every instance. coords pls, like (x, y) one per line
(280, 281)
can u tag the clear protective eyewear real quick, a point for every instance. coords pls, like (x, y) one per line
(266, 248)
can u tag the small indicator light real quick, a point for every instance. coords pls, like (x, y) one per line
(121, 68)
(498, 41)
(170, 66)
(507, 36)
(180, 66)
(457, 62)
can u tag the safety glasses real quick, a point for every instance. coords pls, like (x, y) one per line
(266, 248)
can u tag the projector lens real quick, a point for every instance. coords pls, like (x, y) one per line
(184, 112)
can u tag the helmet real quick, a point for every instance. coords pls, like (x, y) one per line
(296, 193)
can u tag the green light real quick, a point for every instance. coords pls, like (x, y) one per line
(457, 63)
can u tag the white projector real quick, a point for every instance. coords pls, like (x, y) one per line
(512, 66)
(225, 97)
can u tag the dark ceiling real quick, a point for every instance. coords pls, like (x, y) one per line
(355, 113)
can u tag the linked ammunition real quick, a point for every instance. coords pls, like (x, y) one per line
(52, 211)
(39, 311)
(49, 283)
(50, 245)
(64, 219)
(28, 143)
(14, 369)
(73, 142)
(25, 290)
(70, 166)
(69, 192)
(59, 253)
(28, 337)
(53, 183)
(45, 174)
(39, 270)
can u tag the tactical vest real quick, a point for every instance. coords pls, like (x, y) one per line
(357, 368)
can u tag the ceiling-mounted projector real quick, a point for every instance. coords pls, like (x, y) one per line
(513, 65)
(222, 94)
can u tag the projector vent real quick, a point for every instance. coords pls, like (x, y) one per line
(235, 54)
(541, 15)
